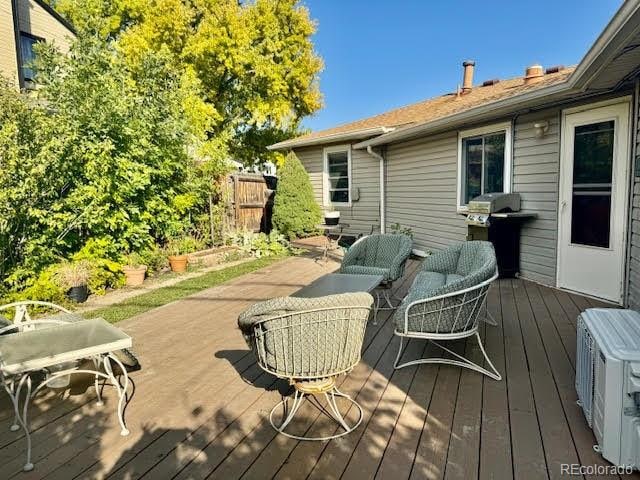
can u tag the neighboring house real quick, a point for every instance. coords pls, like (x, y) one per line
(563, 138)
(23, 23)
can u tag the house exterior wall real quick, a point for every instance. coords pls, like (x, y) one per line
(536, 167)
(34, 19)
(421, 178)
(365, 176)
(633, 271)
(8, 59)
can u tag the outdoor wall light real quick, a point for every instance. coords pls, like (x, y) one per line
(541, 128)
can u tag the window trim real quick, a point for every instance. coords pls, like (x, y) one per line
(508, 158)
(325, 174)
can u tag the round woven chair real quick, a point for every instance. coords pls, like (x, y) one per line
(446, 302)
(309, 342)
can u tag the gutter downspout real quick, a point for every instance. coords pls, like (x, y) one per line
(382, 195)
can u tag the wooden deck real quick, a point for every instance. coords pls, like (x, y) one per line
(200, 403)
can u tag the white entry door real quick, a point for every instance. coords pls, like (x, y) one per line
(592, 218)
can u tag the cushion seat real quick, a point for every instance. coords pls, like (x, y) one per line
(457, 268)
(453, 277)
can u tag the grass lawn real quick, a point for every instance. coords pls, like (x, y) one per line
(156, 298)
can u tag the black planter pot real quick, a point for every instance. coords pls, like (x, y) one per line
(78, 294)
(332, 220)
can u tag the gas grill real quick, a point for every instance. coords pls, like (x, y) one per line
(496, 217)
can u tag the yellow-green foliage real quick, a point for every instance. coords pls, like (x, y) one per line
(295, 210)
(249, 68)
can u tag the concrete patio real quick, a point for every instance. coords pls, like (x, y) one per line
(201, 403)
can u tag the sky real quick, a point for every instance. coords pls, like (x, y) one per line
(383, 54)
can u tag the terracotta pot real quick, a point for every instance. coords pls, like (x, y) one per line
(178, 263)
(134, 276)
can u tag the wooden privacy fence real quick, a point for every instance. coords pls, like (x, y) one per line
(251, 202)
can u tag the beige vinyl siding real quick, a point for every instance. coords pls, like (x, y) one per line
(421, 190)
(536, 166)
(311, 159)
(8, 59)
(633, 281)
(37, 21)
(365, 176)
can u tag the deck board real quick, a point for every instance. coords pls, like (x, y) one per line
(201, 404)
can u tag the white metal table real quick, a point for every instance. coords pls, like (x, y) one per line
(43, 344)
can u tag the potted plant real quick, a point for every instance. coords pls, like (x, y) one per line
(134, 270)
(331, 216)
(74, 277)
(178, 250)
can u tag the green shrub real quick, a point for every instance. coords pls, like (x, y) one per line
(154, 258)
(105, 271)
(295, 211)
(43, 288)
(73, 274)
(260, 244)
(183, 245)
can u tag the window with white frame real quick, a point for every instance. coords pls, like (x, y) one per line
(484, 162)
(337, 174)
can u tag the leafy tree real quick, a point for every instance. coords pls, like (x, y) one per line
(250, 66)
(100, 153)
(295, 211)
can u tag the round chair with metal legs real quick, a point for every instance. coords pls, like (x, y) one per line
(309, 342)
(445, 303)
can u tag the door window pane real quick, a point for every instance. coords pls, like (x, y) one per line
(592, 179)
(338, 175)
(483, 158)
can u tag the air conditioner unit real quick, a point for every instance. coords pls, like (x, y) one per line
(608, 381)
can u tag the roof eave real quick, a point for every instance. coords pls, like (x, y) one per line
(337, 137)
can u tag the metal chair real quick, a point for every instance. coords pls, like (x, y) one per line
(379, 254)
(446, 303)
(309, 342)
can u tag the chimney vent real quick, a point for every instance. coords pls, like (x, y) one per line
(488, 83)
(467, 79)
(554, 69)
(533, 74)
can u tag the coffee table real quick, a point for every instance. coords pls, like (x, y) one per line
(336, 283)
(53, 344)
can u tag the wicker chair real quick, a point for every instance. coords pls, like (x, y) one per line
(379, 254)
(309, 342)
(446, 301)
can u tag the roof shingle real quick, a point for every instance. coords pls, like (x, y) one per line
(444, 105)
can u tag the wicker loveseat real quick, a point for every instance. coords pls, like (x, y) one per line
(379, 254)
(309, 342)
(446, 299)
